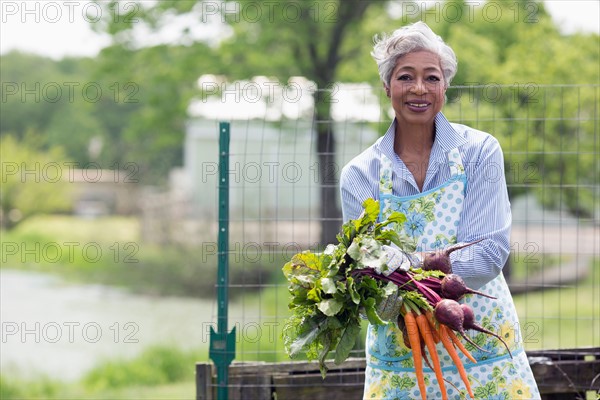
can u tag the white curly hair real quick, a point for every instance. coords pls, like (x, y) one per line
(410, 38)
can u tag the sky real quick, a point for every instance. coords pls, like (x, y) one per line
(64, 28)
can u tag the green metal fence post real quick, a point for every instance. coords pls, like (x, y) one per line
(222, 344)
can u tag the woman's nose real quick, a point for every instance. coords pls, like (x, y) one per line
(419, 87)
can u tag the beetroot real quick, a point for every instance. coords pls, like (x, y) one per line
(454, 287)
(450, 313)
(440, 259)
(469, 323)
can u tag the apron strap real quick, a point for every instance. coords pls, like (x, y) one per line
(385, 175)
(455, 163)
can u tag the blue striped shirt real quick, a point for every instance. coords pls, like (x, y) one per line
(486, 211)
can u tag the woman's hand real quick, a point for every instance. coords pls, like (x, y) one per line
(397, 259)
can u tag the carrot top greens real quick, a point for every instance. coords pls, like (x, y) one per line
(329, 298)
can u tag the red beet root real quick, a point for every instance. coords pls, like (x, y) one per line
(469, 323)
(454, 287)
(450, 313)
(440, 259)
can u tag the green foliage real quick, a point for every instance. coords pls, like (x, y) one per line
(145, 124)
(32, 180)
(155, 366)
(41, 388)
(328, 299)
(158, 372)
(30, 86)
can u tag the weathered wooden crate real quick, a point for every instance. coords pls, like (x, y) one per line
(561, 374)
(566, 374)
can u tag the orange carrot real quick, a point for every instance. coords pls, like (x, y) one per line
(447, 342)
(459, 344)
(434, 332)
(426, 332)
(415, 344)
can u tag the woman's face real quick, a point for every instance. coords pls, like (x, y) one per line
(417, 88)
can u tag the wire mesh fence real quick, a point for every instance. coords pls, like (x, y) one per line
(550, 138)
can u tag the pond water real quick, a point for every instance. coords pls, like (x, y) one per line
(61, 330)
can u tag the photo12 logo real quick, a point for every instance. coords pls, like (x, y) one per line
(69, 11)
(67, 331)
(68, 252)
(54, 92)
(469, 11)
(53, 172)
(270, 11)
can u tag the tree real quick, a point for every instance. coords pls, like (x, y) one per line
(32, 180)
(145, 122)
(281, 39)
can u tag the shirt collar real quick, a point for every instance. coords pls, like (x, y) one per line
(445, 135)
(446, 139)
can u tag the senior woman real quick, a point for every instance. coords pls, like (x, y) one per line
(448, 179)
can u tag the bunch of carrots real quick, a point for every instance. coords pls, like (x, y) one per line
(420, 328)
(430, 314)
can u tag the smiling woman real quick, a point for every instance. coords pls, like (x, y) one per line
(431, 169)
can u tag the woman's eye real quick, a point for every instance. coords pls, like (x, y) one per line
(404, 77)
(434, 78)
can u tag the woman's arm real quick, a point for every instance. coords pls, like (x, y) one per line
(486, 214)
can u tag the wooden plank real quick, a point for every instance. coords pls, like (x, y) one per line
(293, 366)
(250, 387)
(566, 354)
(567, 376)
(204, 381)
(336, 386)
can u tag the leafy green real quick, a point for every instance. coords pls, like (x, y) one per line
(328, 301)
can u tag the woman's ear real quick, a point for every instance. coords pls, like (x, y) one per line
(387, 90)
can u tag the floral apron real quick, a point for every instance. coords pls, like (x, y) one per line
(432, 221)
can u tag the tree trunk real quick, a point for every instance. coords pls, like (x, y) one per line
(330, 215)
(324, 65)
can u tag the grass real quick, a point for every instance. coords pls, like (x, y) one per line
(109, 251)
(44, 389)
(63, 228)
(563, 317)
(158, 373)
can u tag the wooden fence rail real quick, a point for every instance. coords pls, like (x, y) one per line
(560, 374)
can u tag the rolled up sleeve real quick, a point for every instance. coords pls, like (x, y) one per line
(486, 215)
